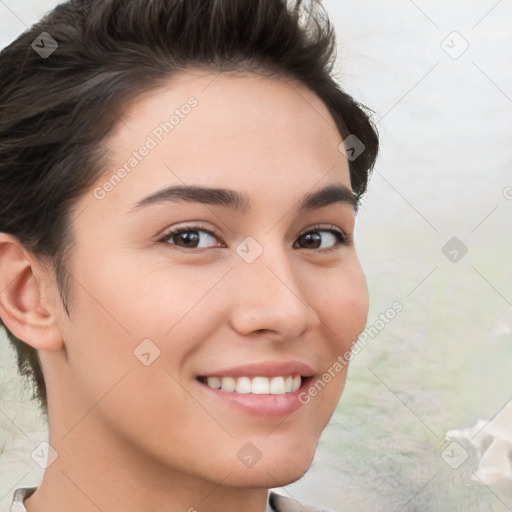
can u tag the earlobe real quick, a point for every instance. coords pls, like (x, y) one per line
(23, 284)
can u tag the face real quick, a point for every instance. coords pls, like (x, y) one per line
(176, 293)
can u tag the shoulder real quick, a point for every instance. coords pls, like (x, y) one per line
(17, 499)
(283, 504)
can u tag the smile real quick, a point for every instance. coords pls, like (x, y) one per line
(279, 385)
(267, 388)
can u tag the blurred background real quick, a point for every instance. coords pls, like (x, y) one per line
(435, 234)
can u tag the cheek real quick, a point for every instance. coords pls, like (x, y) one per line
(135, 296)
(342, 305)
(157, 298)
(120, 306)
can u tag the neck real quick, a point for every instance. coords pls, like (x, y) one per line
(97, 472)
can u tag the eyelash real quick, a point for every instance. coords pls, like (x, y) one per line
(343, 239)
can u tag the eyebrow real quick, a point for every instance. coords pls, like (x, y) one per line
(332, 193)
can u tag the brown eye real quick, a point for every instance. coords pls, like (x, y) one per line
(317, 238)
(189, 237)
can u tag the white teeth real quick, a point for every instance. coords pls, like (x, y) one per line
(277, 386)
(260, 386)
(214, 382)
(228, 384)
(256, 385)
(243, 385)
(296, 383)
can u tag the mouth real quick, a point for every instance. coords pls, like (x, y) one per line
(267, 389)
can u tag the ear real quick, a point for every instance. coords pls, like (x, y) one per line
(28, 305)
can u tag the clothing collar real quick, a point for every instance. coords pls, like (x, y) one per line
(17, 500)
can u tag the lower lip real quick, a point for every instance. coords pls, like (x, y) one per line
(261, 405)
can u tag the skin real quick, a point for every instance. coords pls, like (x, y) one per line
(143, 438)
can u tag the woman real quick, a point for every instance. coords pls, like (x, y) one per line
(179, 186)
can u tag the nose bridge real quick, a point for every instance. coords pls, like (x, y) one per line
(268, 296)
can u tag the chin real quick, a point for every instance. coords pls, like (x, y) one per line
(277, 471)
(286, 475)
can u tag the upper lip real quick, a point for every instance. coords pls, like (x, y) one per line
(264, 369)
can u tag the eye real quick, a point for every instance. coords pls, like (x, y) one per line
(313, 238)
(189, 237)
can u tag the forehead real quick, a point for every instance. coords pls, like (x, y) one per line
(250, 131)
(244, 92)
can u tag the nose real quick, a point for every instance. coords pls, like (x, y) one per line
(269, 299)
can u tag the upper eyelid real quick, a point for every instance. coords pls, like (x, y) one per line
(190, 227)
